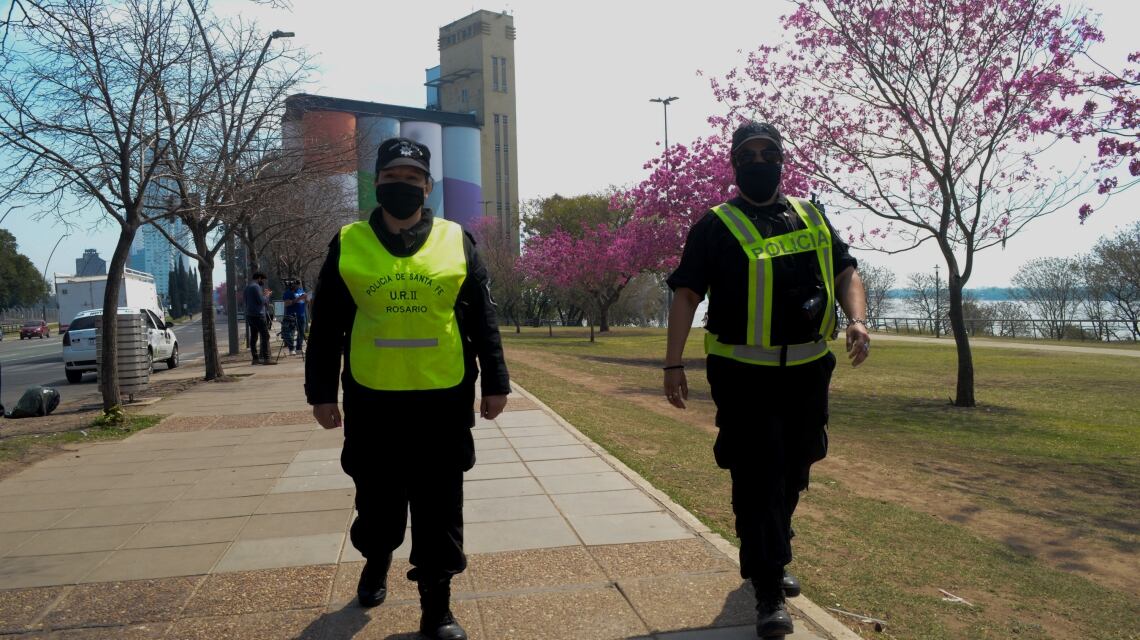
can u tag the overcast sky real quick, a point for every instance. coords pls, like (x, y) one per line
(585, 72)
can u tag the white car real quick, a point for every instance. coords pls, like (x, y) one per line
(79, 342)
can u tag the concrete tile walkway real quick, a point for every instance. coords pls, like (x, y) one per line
(230, 518)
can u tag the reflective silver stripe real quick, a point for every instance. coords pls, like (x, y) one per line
(738, 223)
(807, 207)
(795, 352)
(411, 343)
(761, 302)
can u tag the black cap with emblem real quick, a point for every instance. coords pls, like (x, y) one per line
(396, 152)
(756, 131)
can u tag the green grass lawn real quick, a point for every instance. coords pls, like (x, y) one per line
(1052, 450)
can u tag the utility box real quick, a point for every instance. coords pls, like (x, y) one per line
(134, 361)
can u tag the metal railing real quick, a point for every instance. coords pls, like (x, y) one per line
(1028, 328)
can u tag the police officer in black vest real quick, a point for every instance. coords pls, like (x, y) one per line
(404, 298)
(773, 269)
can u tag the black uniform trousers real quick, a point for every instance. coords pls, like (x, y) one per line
(772, 426)
(407, 465)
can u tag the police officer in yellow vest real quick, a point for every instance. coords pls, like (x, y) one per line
(405, 299)
(772, 268)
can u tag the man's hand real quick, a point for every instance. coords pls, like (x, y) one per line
(858, 343)
(676, 387)
(492, 406)
(328, 415)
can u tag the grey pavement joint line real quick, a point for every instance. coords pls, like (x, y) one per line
(213, 566)
(809, 610)
(546, 493)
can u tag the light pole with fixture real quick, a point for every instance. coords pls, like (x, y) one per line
(665, 106)
(668, 165)
(231, 286)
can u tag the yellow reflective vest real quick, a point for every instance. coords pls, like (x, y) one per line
(405, 336)
(815, 236)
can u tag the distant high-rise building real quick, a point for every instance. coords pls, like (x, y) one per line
(90, 264)
(151, 251)
(477, 75)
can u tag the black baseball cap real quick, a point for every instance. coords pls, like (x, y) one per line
(403, 152)
(756, 131)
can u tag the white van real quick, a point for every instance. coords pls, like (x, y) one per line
(79, 342)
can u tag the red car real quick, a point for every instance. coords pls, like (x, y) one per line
(34, 329)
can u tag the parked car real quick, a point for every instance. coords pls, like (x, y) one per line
(79, 342)
(34, 329)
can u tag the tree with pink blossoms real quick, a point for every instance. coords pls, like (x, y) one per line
(598, 257)
(1115, 100)
(931, 115)
(506, 279)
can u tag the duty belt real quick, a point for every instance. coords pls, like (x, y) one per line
(779, 354)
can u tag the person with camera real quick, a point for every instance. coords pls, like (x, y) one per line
(258, 318)
(773, 269)
(293, 326)
(405, 299)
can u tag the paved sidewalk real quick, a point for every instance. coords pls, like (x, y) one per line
(229, 520)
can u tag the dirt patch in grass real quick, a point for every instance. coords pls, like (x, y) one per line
(955, 492)
(695, 416)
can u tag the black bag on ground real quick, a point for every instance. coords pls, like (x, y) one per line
(36, 402)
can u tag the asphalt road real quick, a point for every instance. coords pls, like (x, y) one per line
(27, 363)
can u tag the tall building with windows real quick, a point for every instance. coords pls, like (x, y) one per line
(476, 75)
(90, 264)
(151, 252)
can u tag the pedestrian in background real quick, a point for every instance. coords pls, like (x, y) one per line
(256, 298)
(295, 299)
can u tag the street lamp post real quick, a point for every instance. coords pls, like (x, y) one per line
(231, 290)
(46, 265)
(669, 165)
(665, 106)
(937, 303)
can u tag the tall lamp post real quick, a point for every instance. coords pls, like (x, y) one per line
(937, 303)
(665, 106)
(46, 265)
(668, 164)
(231, 286)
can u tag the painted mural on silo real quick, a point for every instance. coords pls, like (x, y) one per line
(370, 132)
(462, 175)
(430, 134)
(330, 152)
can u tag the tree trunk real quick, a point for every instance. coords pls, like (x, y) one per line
(604, 314)
(109, 367)
(209, 328)
(965, 394)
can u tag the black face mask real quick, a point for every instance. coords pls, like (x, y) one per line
(759, 181)
(400, 199)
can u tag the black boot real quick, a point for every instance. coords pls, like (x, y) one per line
(790, 584)
(373, 585)
(436, 621)
(772, 619)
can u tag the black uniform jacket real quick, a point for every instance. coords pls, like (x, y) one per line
(713, 259)
(401, 413)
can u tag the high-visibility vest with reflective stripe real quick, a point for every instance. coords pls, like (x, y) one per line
(815, 236)
(405, 335)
